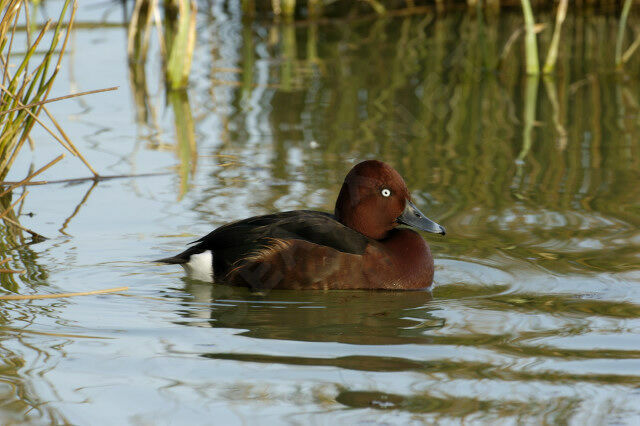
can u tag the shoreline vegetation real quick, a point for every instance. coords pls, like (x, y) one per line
(28, 75)
(312, 10)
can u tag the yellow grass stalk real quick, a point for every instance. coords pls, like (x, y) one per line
(60, 295)
(552, 55)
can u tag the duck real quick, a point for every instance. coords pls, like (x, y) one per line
(367, 243)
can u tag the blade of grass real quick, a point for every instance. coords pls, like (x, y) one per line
(32, 175)
(66, 138)
(630, 50)
(46, 83)
(15, 203)
(60, 295)
(621, 27)
(552, 55)
(35, 117)
(13, 31)
(56, 39)
(27, 58)
(33, 234)
(60, 98)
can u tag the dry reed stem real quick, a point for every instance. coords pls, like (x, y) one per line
(8, 209)
(5, 75)
(60, 295)
(35, 117)
(6, 329)
(26, 180)
(60, 98)
(627, 54)
(510, 41)
(513, 38)
(3, 261)
(157, 21)
(91, 178)
(27, 19)
(621, 28)
(552, 55)
(34, 234)
(66, 138)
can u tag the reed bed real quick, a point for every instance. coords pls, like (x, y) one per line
(30, 58)
(27, 82)
(296, 9)
(435, 98)
(314, 9)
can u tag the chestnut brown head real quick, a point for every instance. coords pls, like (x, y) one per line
(374, 199)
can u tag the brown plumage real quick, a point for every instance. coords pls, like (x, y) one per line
(357, 248)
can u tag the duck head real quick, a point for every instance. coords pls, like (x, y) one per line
(374, 199)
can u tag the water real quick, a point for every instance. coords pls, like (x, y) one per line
(535, 316)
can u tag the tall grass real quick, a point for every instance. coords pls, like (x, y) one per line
(25, 82)
(354, 10)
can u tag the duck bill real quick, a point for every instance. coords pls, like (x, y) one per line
(413, 217)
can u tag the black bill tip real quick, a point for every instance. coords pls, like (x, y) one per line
(412, 216)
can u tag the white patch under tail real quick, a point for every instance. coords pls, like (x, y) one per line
(200, 266)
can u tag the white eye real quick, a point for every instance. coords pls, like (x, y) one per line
(386, 192)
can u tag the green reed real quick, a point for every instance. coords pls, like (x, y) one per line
(176, 35)
(350, 10)
(26, 79)
(530, 42)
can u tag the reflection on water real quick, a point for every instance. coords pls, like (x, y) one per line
(377, 318)
(535, 316)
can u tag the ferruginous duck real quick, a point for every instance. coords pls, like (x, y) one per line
(360, 246)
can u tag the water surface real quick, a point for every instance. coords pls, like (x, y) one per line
(535, 315)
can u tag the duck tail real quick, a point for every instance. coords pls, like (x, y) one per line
(174, 260)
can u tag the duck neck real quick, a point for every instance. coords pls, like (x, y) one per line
(411, 254)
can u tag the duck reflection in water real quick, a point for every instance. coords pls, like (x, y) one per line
(354, 317)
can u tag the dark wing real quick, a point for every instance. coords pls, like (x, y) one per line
(315, 227)
(234, 241)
